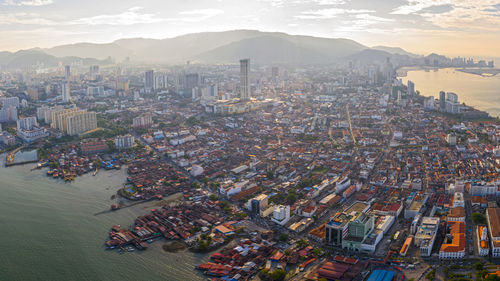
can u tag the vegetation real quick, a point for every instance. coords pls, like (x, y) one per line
(478, 218)
(431, 275)
(284, 237)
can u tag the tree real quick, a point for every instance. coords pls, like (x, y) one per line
(278, 274)
(284, 237)
(431, 275)
(492, 277)
(213, 197)
(478, 218)
(478, 265)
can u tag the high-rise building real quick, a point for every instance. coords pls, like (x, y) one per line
(244, 79)
(8, 114)
(93, 72)
(442, 101)
(74, 121)
(66, 92)
(126, 141)
(95, 91)
(191, 80)
(27, 123)
(67, 72)
(149, 80)
(411, 88)
(11, 101)
(143, 121)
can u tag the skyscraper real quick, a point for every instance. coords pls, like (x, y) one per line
(65, 92)
(442, 100)
(244, 79)
(149, 80)
(67, 72)
(411, 88)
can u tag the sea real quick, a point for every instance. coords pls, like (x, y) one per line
(481, 92)
(49, 231)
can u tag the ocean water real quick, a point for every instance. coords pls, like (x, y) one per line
(480, 92)
(49, 231)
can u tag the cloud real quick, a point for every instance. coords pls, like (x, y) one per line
(131, 16)
(198, 15)
(414, 6)
(282, 3)
(24, 19)
(28, 3)
(135, 15)
(329, 13)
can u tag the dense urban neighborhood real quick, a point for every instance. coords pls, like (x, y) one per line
(281, 173)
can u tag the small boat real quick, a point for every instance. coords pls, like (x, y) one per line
(114, 207)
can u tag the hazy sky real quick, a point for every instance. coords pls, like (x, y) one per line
(451, 27)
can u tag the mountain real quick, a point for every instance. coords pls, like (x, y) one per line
(211, 47)
(200, 46)
(90, 50)
(278, 49)
(395, 51)
(27, 58)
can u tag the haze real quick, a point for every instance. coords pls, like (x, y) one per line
(458, 27)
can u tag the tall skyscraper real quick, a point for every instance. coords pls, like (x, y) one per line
(442, 100)
(67, 72)
(411, 88)
(66, 92)
(149, 80)
(244, 79)
(93, 72)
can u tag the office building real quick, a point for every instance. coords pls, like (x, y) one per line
(442, 101)
(258, 204)
(149, 80)
(349, 228)
(281, 214)
(94, 72)
(411, 89)
(245, 79)
(426, 235)
(65, 92)
(67, 72)
(191, 81)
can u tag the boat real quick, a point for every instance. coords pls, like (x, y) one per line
(114, 207)
(50, 172)
(95, 172)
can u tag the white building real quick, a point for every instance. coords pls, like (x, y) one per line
(458, 199)
(426, 235)
(66, 92)
(281, 214)
(10, 101)
(123, 142)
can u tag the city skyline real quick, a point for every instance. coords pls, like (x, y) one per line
(419, 26)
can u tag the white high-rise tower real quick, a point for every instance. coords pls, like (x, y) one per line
(244, 79)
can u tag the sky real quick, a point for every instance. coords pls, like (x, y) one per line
(449, 27)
